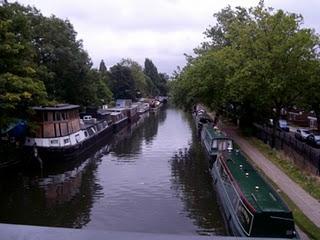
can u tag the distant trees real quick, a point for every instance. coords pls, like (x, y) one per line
(157, 82)
(256, 62)
(42, 62)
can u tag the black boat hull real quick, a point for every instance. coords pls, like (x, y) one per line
(53, 155)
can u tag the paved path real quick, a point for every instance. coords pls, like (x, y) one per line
(307, 204)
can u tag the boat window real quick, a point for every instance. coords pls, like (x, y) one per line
(214, 144)
(50, 116)
(45, 117)
(77, 137)
(67, 140)
(245, 217)
(85, 133)
(224, 144)
(54, 141)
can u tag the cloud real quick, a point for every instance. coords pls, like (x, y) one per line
(161, 30)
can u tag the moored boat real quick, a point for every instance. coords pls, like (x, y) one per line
(143, 107)
(60, 135)
(252, 208)
(155, 106)
(214, 141)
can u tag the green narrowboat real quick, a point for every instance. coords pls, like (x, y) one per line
(214, 141)
(252, 207)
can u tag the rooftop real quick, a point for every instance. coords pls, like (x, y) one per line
(256, 190)
(58, 107)
(214, 133)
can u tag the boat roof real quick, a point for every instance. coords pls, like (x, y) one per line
(254, 188)
(57, 107)
(214, 133)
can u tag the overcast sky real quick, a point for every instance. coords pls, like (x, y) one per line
(161, 30)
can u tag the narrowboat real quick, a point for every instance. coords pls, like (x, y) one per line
(155, 106)
(60, 134)
(214, 141)
(252, 208)
(119, 119)
(201, 118)
(131, 109)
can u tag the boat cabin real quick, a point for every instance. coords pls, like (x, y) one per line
(56, 121)
(215, 140)
(117, 117)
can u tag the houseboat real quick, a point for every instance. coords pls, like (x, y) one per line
(119, 119)
(251, 207)
(60, 134)
(131, 109)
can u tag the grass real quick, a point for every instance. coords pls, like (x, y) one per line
(308, 182)
(305, 180)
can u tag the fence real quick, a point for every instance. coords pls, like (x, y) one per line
(303, 154)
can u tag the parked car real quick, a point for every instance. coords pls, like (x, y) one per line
(314, 138)
(281, 126)
(302, 134)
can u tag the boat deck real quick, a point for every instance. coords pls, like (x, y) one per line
(259, 193)
(215, 133)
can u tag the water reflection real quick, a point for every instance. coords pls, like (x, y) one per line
(193, 186)
(63, 199)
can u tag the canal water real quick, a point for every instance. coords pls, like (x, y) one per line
(151, 177)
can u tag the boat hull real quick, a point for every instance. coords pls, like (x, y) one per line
(53, 155)
(226, 204)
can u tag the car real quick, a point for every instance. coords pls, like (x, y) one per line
(302, 134)
(281, 126)
(314, 138)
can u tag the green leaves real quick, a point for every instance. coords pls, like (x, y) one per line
(256, 60)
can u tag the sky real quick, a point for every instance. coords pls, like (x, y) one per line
(161, 30)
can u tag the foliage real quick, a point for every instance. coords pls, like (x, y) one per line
(257, 61)
(41, 61)
(140, 80)
(102, 67)
(19, 85)
(122, 82)
(157, 83)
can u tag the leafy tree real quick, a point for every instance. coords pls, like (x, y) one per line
(139, 77)
(95, 91)
(156, 84)
(102, 67)
(256, 62)
(122, 82)
(19, 86)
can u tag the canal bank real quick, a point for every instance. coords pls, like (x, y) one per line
(305, 207)
(152, 177)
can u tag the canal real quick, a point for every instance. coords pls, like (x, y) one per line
(151, 177)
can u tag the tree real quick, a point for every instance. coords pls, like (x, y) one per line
(151, 71)
(257, 61)
(138, 75)
(102, 67)
(19, 86)
(122, 82)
